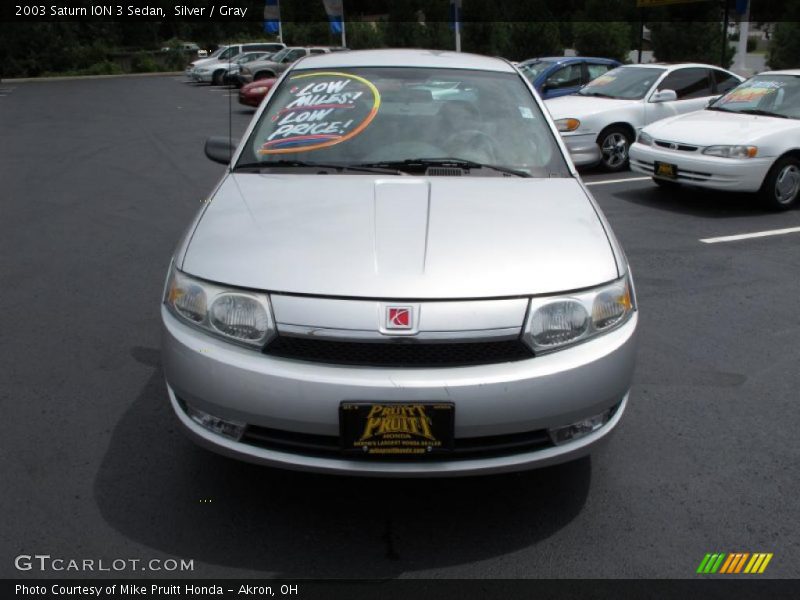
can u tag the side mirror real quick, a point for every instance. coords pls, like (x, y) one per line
(220, 149)
(664, 96)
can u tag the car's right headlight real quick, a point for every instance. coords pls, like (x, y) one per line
(558, 321)
(235, 315)
(258, 90)
(569, 124)
(645, 139)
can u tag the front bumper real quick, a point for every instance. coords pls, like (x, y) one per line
(202, 77)
(583, 149)
(741, 175)
(547, 391)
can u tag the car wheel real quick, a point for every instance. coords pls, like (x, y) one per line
(216, 78)
(781, 186)
(614, 144)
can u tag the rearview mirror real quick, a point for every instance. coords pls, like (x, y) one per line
(664, 96)
(220, 149)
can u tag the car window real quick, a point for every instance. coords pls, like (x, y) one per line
(777, 94)
(595, 70)
(688, 83)
(317, 51)
(532, 69)
(628, 83)
(723, 81)
(229, 53)
(294, 55)
(565, 77)
(378, 114)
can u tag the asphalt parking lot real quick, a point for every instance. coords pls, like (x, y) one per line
(98, 178)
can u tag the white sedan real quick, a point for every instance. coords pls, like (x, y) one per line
(747, 141)
(601, 121)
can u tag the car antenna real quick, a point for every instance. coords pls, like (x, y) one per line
(230, 133)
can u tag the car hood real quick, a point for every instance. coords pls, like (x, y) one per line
(401, 237)
(578, 106)
(712, 127)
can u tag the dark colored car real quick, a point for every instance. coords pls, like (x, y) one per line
(555, 76)
(253, 93)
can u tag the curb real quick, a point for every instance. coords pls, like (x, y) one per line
(71, 77)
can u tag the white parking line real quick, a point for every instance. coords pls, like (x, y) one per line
(607, 181)
(747, 236)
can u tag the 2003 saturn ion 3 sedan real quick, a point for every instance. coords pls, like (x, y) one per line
(400, 274)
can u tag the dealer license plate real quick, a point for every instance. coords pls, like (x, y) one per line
(396, 430)
(665, 170)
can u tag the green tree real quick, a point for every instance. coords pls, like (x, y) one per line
(609, 40)
(784, 44)
(690, 33)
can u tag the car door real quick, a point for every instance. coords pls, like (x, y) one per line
(693, 87)
(563, 81)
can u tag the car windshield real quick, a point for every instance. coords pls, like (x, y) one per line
(767, 95)
(626, 83)
(386, 117)
(217, 52)
(278, 56)
(533, 69)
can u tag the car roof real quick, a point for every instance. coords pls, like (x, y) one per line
(673, 66)
(568, 59)
(781, 72)
(391, 57)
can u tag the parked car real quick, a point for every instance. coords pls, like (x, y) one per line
(281, 61)
(253, 93)
(601, 121)
(216, 71)
(385, 283)
(230, 75)
(556, 76)
(746, 141)
(224, 54)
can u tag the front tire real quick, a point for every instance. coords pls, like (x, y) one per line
(216, 78)
(614, 142)
(781, 187)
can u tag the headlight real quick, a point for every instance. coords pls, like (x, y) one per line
(555, 322)
(258, 90)
(567, 124)
(244, 71)
(644, 139)
(232, 314)
(732, 151)
(199, 71)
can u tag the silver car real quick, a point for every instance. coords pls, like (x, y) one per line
(392, 282)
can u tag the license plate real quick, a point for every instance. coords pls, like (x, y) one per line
(666, 170)
(395, 430)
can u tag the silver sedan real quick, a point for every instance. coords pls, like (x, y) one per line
(393, 281)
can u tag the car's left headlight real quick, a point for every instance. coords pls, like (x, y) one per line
(235, 315)
(645, 139)
(569, 124)
(732, 151)
(555, 322)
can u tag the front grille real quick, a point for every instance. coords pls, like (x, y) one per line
(327, 446)
(399, 353)
(680, 147)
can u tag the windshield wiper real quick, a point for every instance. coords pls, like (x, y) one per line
(596, 94)
(720, 109)
(414, 164)
(764, 113)
(311, 165)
